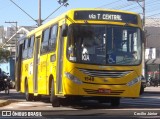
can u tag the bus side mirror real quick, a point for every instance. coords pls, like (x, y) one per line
(64, 30)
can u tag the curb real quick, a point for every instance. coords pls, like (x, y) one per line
(152, 92)
(6, 102)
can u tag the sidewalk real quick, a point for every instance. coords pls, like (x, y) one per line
(4, 102)
(7, 102)
(152, 89)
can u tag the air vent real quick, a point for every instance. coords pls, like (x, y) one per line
(105, 73)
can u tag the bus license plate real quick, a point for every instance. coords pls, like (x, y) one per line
(102, 90)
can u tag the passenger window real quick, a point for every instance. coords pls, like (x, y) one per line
(44, 44)
(53, 38)
(32, 42)
(25, 49)
(31, 47)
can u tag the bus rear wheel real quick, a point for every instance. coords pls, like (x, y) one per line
(53, 98)
(37, 98)
(115, 102)
(29, 97)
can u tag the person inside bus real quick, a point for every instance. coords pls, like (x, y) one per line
(88, 49)
(135, 55)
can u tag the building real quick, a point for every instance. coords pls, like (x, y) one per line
(152, 63)
(153, 39)
(9, 35)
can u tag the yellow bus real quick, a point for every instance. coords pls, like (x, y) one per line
(81, 54)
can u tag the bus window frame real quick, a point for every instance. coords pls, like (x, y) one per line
(137, 26)
(25, 49)
(42, 42)
(53, 48)
(31, 48)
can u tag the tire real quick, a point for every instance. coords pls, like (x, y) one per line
(53, 98)
(103, 100)
(37, 98)
(7, 90)
(115, 102)
(141, 90)
(29, 97)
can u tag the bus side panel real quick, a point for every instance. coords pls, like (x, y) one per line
(42, 74)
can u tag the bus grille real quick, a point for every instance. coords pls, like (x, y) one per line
(105, 73)
(112, 92)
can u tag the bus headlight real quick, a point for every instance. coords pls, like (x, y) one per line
(73, 78)
(134, 81)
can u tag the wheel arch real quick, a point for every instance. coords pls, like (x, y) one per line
(50, 83)
(25, 83)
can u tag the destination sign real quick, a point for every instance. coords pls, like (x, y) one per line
(105, 16)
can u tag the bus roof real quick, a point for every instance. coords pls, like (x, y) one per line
(78, 9)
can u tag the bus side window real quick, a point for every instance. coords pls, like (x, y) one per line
(25, 48)
(53, 38)
(30, 45)
(44, 44)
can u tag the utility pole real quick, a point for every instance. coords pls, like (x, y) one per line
(39, 13)
(39, 21)
(143, 8)
(144, 13)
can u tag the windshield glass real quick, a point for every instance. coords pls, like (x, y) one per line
(104, 44)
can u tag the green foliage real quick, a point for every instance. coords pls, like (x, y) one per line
(4, 54)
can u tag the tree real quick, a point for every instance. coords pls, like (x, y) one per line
(4, 54)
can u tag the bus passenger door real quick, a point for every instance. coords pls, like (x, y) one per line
(18, 67)
(42, 72)
(60, 62)
(35, 64)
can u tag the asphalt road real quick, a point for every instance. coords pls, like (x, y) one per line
(147, 106)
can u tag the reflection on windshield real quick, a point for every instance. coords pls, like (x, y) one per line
(102, 44)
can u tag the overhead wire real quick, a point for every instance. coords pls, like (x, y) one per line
(137, 6)
(150, 7)
(107, 4)
(124, 5)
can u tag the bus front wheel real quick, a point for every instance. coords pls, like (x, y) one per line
(29, 97)
(115, 102)
(53, 98)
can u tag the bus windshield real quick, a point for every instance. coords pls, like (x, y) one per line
(104, 44)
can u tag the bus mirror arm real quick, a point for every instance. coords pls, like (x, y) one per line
(64, 30)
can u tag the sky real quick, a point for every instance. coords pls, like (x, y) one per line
(9, 12)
